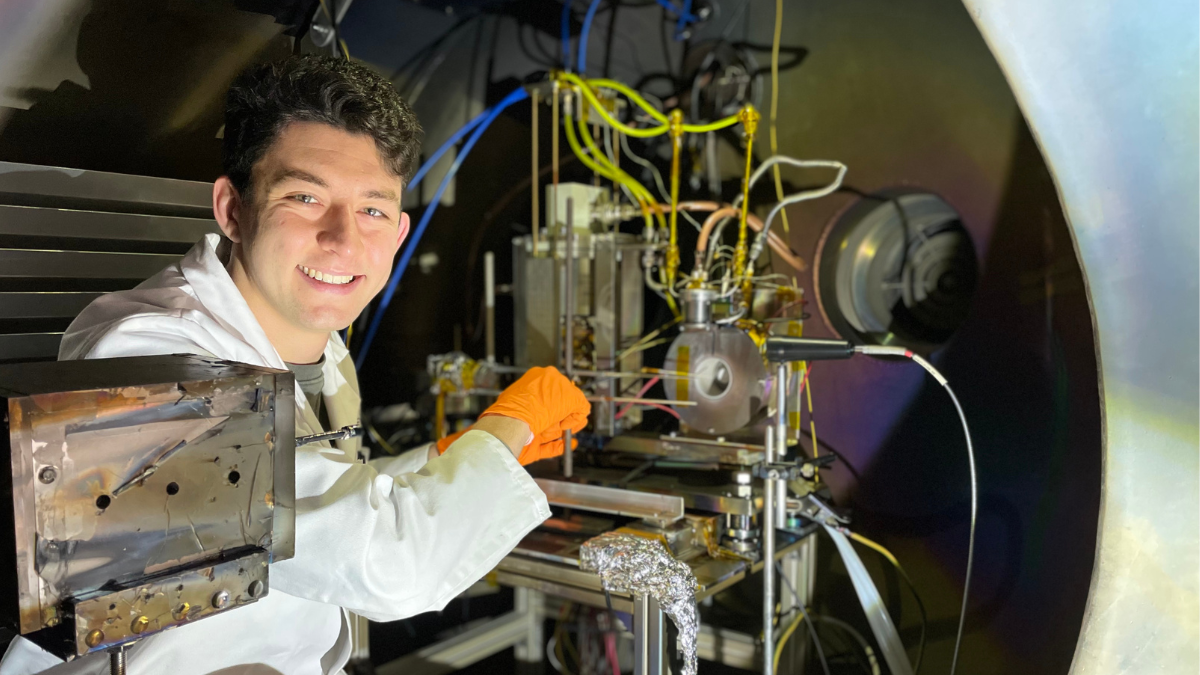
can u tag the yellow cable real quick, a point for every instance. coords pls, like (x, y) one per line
(632, 96)
(787, 633)
(586, 90)
(649, 132)
(775, 105)
(594, 166)
(878, 549)
(645, 200)
(812, 425)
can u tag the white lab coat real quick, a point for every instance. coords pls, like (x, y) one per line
(387, 540)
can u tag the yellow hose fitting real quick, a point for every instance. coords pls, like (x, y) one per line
(749, 118)
(675, 129)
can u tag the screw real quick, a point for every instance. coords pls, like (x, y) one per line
(94, 638)
(220, 599)
(140, 624)
(48, 475)
(181, 612)
(256, 588)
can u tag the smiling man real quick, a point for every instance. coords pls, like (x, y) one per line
(317, 151)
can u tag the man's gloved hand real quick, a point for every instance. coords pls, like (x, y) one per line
(545, 400)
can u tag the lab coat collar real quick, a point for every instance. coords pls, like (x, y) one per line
(206, 273)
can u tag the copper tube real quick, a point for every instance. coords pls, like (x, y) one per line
(776, 243)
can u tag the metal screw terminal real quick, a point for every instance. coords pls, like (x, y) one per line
(94, 638)
(48, 475)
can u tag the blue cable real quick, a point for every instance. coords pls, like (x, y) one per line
(685, 15)
(566, 35)
(450, 142)
(583, 37)
(483, 122)
(683, 18)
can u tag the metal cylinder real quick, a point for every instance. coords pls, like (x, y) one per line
(781, 440)
(697, 306)
(768, 549)
(569, 323)
(489, 303)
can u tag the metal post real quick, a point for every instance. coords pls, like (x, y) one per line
(781, 436)
(116, 660)
(649, 633)
(553, 205)
(533, 179)
(768, 609)
(529, 604)
(569, 324)
(489, 303)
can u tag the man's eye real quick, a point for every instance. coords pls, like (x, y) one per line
(374, 213)
(305, 199)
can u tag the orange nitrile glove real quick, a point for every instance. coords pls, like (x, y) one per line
(549, 403)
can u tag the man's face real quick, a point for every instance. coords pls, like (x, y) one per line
(318, 240)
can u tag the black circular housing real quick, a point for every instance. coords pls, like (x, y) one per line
(896, 268)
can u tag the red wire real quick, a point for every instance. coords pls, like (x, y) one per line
(646, 388)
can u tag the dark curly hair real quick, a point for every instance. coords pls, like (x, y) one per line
(266, 97)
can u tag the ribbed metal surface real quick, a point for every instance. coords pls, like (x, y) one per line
(68, 236)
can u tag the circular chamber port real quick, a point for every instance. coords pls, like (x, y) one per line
(713, 378)
(896, 268)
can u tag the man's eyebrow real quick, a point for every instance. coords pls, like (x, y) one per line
(297, 174)
(387, 195)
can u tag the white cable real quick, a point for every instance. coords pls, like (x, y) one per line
(796, 198)
(877, 350)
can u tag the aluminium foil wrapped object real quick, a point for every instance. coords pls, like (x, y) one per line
(629, 564)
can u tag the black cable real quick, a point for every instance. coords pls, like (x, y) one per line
(608, 42)
(812, 631)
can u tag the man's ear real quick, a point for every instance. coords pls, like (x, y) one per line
(402, 231)
(227, 209)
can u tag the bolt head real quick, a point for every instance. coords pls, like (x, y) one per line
(139, 625)
(256, 588)
(48, 475)
(94, 638)
(220, 599)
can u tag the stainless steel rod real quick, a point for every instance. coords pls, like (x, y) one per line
(533, 179)
(781, 435)
(768, 541)
(569, 323)
(597, 399)
(489, 303)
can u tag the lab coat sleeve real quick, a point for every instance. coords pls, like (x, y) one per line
(409, 461)
(388, 547)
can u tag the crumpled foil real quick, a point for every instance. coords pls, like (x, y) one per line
(629, 564)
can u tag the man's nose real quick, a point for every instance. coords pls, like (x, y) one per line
(339, 232)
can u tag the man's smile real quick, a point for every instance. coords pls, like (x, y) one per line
(329, 281)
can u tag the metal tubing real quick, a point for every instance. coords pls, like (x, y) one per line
(553, 159)
(489, 302)
(569, 323)
(648, 637)
(768, 608)
(781, 436)
(533, 180)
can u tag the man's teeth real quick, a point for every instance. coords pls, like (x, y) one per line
(327, 278)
